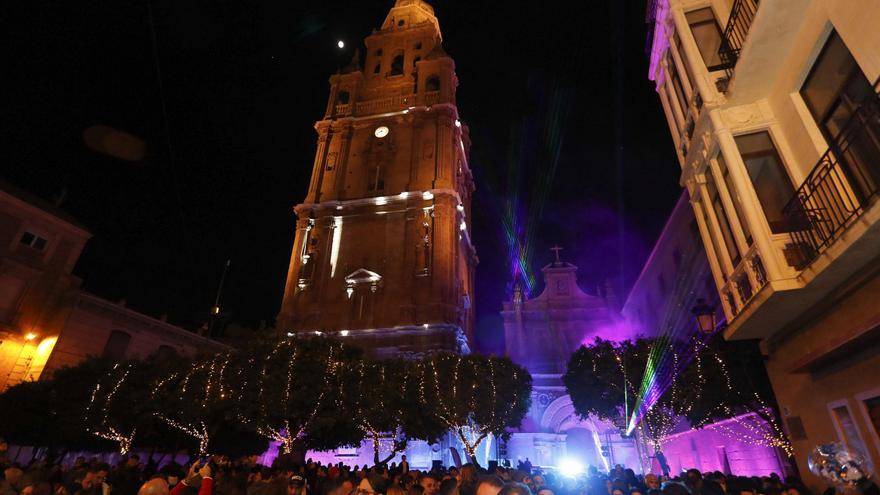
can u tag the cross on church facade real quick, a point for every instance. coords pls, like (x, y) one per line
(556, 250)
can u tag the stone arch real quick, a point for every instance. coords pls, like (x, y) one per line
(560, 416)
(397, 64)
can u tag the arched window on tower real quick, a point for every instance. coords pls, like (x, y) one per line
(397, 65)
(116, 345)
(343, 97)
(432, 84)
(361, 287)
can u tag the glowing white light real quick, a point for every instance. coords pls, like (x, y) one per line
(334, 246)
(381, 200)
(570, 467)
(463, 226)
(343, 333)
(427, 195)
(404, 194)
(290, 334)
(318, 332)
(457, 123)
(425, 325)
(460, 207)
(30, 336)
(340, 44)
(406, 111)
(381, 131)
(349, 291)
(339, 207)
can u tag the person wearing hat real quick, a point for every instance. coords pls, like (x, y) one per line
(296, 485)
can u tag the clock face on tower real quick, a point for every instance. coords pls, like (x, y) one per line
(381, 132)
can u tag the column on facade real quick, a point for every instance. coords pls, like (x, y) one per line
(676, 134)
(683, 74)
(728, 204)
(318, 165)
(715, 226)
(751, 206)
(708, 242)
(673, 101)
(341, 165)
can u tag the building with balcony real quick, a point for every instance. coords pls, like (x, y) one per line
(774, 111)
(46, 320)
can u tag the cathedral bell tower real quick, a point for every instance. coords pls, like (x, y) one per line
(383, 255)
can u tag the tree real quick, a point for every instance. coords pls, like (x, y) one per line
(474, 395)
(382, 397)
(290, 391)
(56, 405)
(599, 378)
(198, 399)
(691, 378)
(119, 405)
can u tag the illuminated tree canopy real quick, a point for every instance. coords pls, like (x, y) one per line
(313, 393)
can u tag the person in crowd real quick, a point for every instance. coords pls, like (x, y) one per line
(515, 488)
(296, 485)
(11, 481)
(448, 487)
(429, 483)
(675, 488)
(489, 485)
(694, 481)
(652, 482)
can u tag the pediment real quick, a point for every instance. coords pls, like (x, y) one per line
(363, 276)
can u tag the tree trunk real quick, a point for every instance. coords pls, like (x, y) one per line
(398, 447)
(375, 438)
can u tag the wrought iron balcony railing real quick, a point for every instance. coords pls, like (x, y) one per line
(839, 188)
(741, 16)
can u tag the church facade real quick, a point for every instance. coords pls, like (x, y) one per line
(382, 255)
(541, 334)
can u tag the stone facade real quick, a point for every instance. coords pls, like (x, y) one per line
(382, 254)
(773, 110)
(541, 334)
(46, 320)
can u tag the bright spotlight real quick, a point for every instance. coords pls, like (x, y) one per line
(340, 44)
(571, 468)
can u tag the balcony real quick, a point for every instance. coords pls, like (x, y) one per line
(741, 16)
(747, 280)
(836, 214)
(385, 105)
(839, 189)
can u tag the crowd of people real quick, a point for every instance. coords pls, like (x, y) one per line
(223, 476)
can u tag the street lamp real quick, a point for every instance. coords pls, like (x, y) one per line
(705, 316)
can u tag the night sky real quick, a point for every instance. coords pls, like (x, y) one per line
(227, 115)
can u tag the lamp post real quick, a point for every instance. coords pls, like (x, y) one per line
(705, 316)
